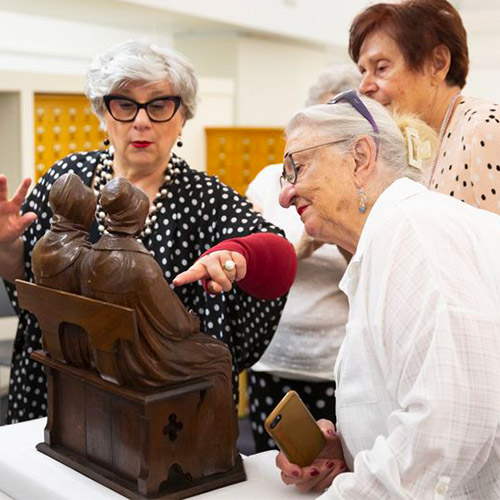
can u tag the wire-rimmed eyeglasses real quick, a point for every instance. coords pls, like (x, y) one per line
(159, 109)
(290, 170)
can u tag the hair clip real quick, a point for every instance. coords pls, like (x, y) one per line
(417, 150)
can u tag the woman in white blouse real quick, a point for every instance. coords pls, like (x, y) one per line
(418, 374)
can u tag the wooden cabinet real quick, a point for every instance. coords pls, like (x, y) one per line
(237, 154)
(64, 124)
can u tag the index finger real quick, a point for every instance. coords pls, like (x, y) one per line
(196, 272)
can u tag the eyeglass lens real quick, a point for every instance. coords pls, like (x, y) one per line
(124, 109)
(289, 170)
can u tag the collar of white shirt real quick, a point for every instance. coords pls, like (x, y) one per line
(395, 193)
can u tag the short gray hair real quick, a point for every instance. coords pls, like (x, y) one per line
(140, 61)
(333, 80)
(342, 121)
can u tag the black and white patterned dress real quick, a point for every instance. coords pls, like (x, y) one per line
(197, 213)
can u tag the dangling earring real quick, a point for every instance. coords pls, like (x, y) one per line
(106, 142)
(179, 143)
(362, 201)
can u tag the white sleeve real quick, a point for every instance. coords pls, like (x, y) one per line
(442, 364)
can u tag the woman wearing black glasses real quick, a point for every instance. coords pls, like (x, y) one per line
(143, 96)
(418, 373)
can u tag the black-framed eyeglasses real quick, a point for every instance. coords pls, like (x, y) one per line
(352, 97)
(290, 170)
(159, 109)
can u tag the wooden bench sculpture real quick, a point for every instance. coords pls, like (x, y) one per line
(148, 423)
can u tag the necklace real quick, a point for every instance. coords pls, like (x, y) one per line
(104, 173)
(442, 130)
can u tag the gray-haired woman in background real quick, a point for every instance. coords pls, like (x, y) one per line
(143, 96)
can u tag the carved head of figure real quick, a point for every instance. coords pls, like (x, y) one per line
(126, 207)
(71, 199)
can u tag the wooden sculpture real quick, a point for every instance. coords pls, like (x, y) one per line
(153, 415)
(57, 257)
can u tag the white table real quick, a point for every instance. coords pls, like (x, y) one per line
(27, 474)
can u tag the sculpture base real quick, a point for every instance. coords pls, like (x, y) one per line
(142, 443)
(114, 482)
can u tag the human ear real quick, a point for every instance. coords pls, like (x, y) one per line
(364, 154)
(439, 63)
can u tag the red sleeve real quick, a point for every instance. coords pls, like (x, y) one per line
(271, 263)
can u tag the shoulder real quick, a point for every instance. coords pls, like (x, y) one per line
(430, 220)
(82, 164)
(269, 174)
(477, 114)
(265, 183)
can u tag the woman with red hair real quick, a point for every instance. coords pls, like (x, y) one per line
(413, 58)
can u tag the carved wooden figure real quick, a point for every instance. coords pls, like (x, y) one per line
(57, 257)
(155, 418)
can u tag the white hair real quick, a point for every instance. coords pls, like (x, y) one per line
(342, 121)
(333, 80)
(140, 61)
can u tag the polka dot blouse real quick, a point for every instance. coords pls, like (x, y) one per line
(468, 166)
(197, 213)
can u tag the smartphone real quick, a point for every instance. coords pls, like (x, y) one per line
(295, 431)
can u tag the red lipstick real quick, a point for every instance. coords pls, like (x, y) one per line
(301, 209)
(141, 144)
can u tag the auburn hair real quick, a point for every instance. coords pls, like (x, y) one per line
(418, 27)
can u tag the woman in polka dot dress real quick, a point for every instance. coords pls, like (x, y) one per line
(143, 95)
(421, 68)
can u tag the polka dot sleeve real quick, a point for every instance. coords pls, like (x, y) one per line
(468, 166)
(483, 158)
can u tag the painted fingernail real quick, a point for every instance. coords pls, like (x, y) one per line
(314, 472)
(342, 466)
(330, 464)
(295, 473)
(329, 432)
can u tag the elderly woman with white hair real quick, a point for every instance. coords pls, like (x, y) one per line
(143, 96)
(418, 373)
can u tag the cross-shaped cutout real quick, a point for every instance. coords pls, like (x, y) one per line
(173, 427)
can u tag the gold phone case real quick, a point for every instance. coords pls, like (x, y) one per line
(295, 431)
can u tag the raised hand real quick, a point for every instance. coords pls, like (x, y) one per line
(218, 270)
(319, 475)
(12, 223)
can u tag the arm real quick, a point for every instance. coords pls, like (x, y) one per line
(249, 322)
(482, 158)
(12, 226)
(265, 266)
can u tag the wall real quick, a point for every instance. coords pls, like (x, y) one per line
(273, 79)
(322, 22)
(215, 108)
